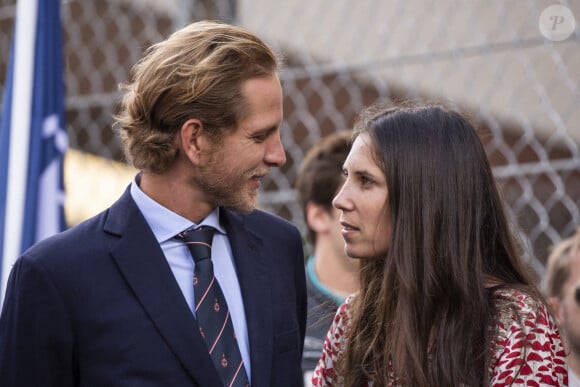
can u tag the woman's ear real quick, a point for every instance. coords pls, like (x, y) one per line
(190, 137)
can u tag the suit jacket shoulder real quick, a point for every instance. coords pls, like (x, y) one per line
(99, 303)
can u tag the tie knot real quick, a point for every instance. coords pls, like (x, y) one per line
(198, 241)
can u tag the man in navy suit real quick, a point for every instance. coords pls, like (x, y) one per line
(110, 302)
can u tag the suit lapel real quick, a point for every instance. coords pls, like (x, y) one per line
(142, 263)
(253, 275)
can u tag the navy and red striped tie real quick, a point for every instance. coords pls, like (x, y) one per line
(213, 316)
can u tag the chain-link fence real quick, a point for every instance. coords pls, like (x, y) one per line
(488, 58)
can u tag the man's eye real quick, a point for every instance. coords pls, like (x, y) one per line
(261, 137)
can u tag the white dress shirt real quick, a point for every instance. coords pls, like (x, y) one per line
(165, 224)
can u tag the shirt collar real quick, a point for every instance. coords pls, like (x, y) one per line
(311, 273)
(165, 223)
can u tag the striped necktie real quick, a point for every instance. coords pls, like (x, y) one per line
(213, 316)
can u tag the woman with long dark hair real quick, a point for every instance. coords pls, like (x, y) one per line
(445, 299)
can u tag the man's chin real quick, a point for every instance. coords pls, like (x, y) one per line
(244, 206)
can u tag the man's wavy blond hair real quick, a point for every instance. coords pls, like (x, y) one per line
(196, 73)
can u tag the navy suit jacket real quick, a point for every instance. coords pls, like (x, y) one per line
(98, 305)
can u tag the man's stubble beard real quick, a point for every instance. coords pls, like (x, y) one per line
(227, 192)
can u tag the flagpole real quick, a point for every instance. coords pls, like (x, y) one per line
(24, 41)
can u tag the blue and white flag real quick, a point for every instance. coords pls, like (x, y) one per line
(33, 138)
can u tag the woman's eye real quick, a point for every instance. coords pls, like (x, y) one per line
(365, 180)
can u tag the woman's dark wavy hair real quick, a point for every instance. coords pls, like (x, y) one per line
(450, 240)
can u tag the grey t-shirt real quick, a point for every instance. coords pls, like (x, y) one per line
(322, 308)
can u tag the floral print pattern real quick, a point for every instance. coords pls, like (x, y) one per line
(527, 351)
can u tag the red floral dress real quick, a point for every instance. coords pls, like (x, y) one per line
(524, 323)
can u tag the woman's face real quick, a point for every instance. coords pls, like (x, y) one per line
(362, 200)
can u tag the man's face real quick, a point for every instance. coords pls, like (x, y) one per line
(231, 177)
(568, 310)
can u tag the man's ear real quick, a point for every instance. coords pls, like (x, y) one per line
(317, 217)
(557, 307)
(190, 136)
